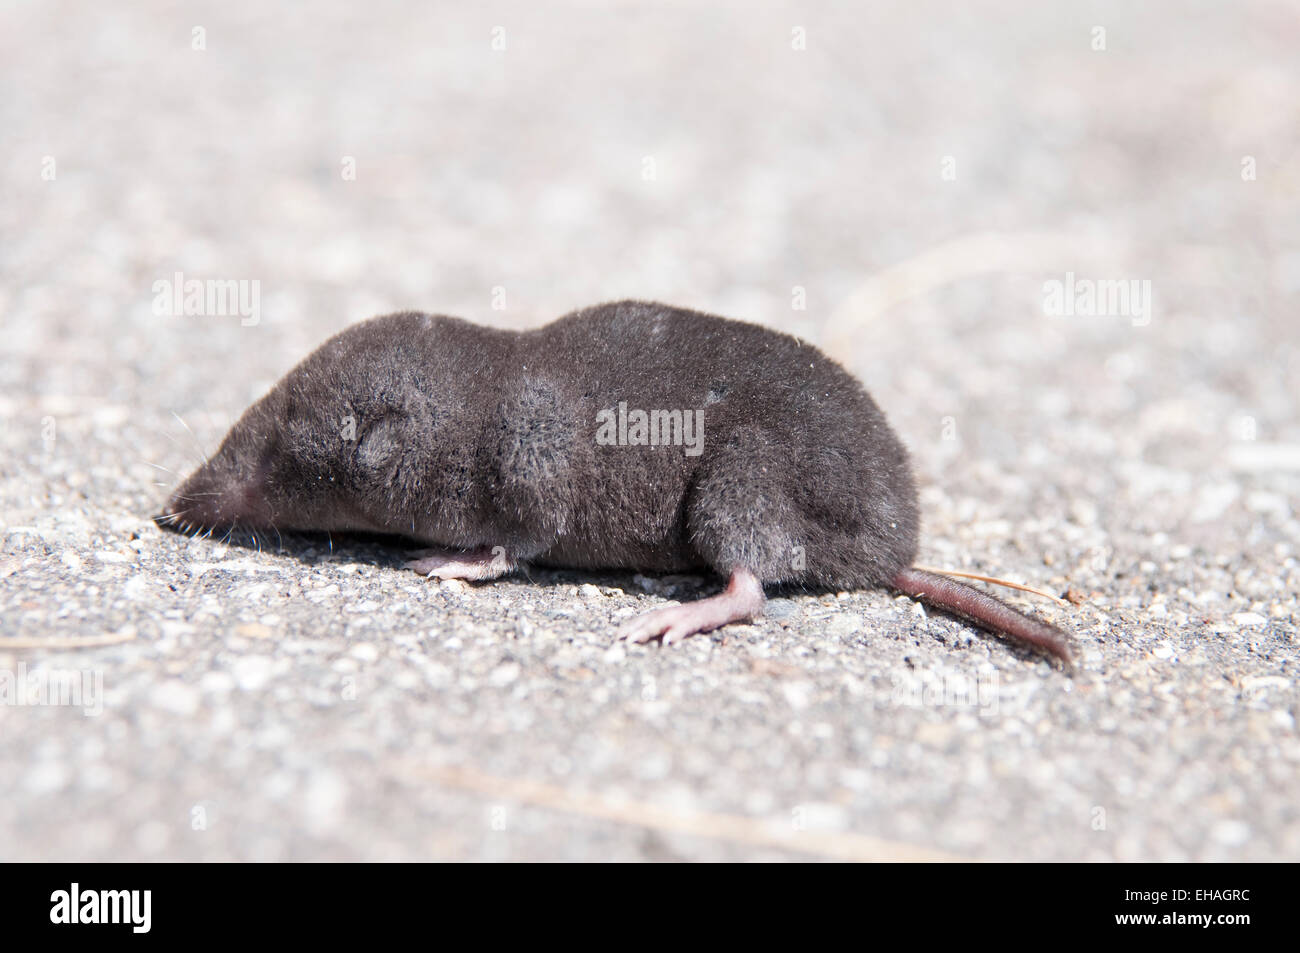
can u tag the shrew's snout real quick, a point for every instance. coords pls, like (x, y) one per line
(205, 501)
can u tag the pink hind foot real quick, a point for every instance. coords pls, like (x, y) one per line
(482, 563)
(742, 600)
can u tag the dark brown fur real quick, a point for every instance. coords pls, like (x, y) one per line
(468, 437)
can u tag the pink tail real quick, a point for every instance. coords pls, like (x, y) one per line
(983, 610)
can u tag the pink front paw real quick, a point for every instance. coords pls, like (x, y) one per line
(481, 563)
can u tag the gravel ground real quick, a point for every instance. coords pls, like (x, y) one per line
(896, 186)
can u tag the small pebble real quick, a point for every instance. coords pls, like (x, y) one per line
(780, 609)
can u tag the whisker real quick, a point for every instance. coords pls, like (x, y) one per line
(178, 443)
(191, 433)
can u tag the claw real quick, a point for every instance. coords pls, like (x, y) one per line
(740, 601)
(476, 564)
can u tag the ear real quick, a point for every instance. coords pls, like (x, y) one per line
(380, 446)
